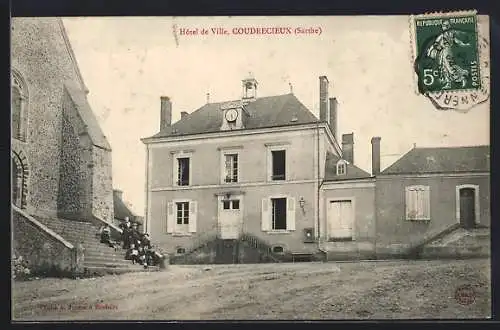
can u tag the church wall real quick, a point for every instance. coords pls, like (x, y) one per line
(40, 55)
(102, 184)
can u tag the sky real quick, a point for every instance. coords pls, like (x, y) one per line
(127, 63)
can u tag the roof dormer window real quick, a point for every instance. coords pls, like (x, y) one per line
(341, 167)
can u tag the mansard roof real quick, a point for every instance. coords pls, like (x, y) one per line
(271, 111)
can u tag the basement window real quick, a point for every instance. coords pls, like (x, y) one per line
(180, 250)
(278, 249)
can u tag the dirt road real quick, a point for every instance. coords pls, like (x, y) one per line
(399, 289)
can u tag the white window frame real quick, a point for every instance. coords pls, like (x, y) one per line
(175, 167)
(425, 205)
(182, 229)
(277, 147)
(476, 201)
(223, 154)
(291, 211)
(341, 164)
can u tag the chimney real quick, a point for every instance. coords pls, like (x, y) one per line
(333, 117)
(118, 193)
(183, 114)
(208, 98)
(166, 112)
(348, 147)
(376, 155)
(323, 98)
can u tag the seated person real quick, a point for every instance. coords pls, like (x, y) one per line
(134, 254)
(145, 241)
(105, 234)
(150, 254)
(135, 235)
(142, 257)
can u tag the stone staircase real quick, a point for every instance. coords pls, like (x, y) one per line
(266, 255)
(99, 258)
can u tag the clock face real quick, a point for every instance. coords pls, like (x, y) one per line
(231, 115)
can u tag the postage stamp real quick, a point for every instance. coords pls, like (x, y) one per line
(451, 59)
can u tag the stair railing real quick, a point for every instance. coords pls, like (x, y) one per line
(260, 245)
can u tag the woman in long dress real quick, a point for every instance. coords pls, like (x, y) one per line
(441, 50)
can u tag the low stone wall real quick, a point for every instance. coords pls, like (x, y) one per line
(47, 253)
(461, 245)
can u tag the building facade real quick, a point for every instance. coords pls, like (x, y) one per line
(261, 167)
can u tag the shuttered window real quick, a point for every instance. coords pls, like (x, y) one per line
(278, 214)
(182, 217)
(417, 201)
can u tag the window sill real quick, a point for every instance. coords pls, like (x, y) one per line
(341, 239)
(418, 220)
(181, 234)
(277, 232)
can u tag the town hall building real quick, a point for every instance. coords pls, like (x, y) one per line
(253, 170)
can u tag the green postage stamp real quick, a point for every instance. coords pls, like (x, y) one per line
(451, 59)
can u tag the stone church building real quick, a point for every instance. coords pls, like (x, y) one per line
(62, 189)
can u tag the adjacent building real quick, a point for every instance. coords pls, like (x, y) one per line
(429, 190)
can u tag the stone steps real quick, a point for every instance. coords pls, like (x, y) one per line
(99, 258)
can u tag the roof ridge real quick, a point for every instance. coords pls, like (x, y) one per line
(454, 147)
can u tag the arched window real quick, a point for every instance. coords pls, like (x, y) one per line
(19, 105)
(341, 167)
(19, 179)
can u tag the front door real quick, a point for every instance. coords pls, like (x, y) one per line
(229, 217)
(467, 208)
(340, 218)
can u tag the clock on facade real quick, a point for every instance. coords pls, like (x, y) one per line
(231, 115)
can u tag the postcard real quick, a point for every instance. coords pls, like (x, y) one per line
(251, 168)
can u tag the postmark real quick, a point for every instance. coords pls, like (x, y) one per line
(451, 59)
(465, 294)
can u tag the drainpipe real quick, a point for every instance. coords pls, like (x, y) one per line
(146, 215)
(318, 183)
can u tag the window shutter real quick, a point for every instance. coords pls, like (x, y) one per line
(427, 203)
(175, 171)
(408, 203)
(266, 215)
(170, 217)
(290, 214)
(193, 215)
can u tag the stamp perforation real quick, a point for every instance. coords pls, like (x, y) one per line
(482, 57)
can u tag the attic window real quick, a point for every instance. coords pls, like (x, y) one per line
(341, 167)
(294, 119)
